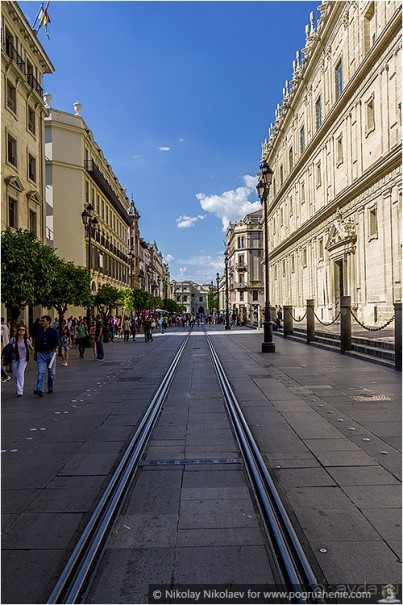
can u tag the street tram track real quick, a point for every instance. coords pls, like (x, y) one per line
(75, 577)
(291, 565)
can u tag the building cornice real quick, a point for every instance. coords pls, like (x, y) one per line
(338, 108)
(372, 176)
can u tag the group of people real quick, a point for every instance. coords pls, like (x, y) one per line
(48, 340)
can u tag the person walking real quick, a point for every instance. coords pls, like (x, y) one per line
(126, 329)
(5, 339)
(93, 329)
(81, 337)
(147, 330)
(46, 348)
(133, 328)
(99, 338)
(65, 344)
(22, 345)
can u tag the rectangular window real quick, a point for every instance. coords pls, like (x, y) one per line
(318, 113)
(241, 280)
(12, 212)
(87, 192)
(291, 159)
(318, 175)
(292, 264)
(369, 28)
(373, 222)
(32, 222)
(11, 97)
(302, 193)
(320, 248)
(370, 115)
(304, 257)
(241, 296)
(31, 168)
(302, 139)
(31, 120)
(11, 150)
(291, 207)
(281, 216)
(339, 150)
(281, 175)
(283, 268)
(241, 242)
(339, 80)
(255, 295)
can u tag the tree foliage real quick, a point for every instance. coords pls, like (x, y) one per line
(71, 286)
(28, 271)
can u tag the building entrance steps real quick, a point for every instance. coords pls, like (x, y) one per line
(335, 460)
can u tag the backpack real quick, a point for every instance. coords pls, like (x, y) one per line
(8, 354)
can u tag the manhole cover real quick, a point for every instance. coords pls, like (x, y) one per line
(371, 398)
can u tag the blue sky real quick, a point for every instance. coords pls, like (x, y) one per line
(179, 95)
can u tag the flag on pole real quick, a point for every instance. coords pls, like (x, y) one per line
(44, 18)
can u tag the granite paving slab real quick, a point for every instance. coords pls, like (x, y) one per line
(362, 475)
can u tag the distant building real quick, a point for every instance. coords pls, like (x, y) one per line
(244, 247)
(190, 295)
(334, 207)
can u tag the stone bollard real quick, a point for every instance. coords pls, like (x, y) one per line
(310, 320)
(345, 327)
(398, 336)
(288, 322)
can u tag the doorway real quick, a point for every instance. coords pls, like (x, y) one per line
(338, 282)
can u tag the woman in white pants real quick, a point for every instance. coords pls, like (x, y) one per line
(22, 346)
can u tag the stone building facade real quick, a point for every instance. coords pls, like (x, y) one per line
(191, 296)
(244, 251)
(78, 174)
(334, 207)
(23, 64)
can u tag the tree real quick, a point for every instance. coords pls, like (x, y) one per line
(106, 299)
(71, 286)
(28, 270)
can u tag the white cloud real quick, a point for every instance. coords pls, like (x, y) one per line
(184, 222)
(138, 157)
(169, 258)
(164, 149)
(231, 205)
(201, 269)
(180, 140)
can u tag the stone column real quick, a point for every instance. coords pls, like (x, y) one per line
(310, 320)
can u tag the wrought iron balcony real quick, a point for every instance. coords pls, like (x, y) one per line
(241, 267)
(14, 56)
(103, 184)
(33, 82)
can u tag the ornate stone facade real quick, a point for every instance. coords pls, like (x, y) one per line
(334, 208)
(244, 248)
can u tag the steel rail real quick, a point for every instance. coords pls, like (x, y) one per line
(78, 569)
(295, 569)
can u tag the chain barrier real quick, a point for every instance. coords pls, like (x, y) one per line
(372, 329)
(327, 324)
(301, 319)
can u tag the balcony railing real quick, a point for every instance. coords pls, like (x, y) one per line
(19, 61)
(241, 266)
(103, 184)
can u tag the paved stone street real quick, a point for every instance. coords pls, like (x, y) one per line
(328, 426)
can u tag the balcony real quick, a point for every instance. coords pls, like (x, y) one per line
(33, 82)
(14, 56)
(241, 266)
(103, 184)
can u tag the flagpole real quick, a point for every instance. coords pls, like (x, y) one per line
(36, 18)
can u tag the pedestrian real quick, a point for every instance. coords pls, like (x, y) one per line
(65, 344)
(161, 324)
(46, 348)
(133, 328)
(5, 339)
(22, 345)
(147, 330)
(93, 329)
(81, 338)
(99, 338)
(126, 329)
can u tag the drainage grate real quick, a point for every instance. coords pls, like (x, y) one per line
(372, 398)
(196, 461)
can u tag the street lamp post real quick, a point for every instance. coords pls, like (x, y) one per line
(90, 223)
(217, 278)
(211, 297)
(227, 326)
(263, 187)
